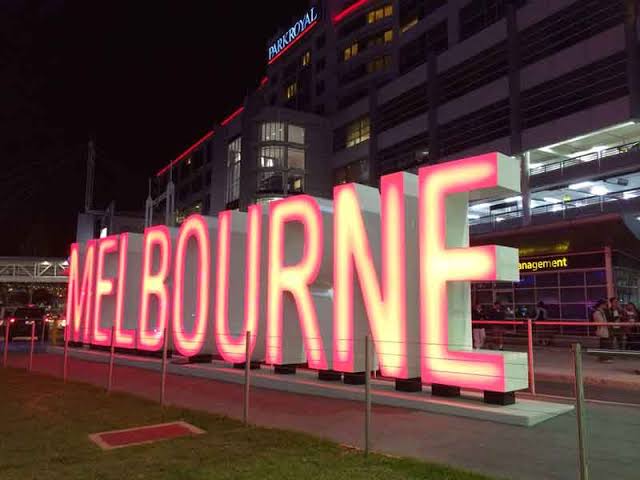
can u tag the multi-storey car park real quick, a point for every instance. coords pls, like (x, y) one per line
(357, 89)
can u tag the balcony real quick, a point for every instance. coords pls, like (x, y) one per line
(624, 201)
(615, 160)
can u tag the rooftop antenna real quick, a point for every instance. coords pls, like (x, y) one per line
(91, 166)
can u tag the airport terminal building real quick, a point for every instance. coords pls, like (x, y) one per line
(358, 89)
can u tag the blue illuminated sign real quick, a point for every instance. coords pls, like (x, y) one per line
(292, 35)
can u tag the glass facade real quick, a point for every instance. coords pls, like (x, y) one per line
(281, 158)
(234, 160)
(569, 285)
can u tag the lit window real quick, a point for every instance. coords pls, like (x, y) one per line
(271, 156)
(292, 90)
(296, 134)
(358, 132)
(306, 59)
(380, 39)
(234, 160)
(351, 51)
(379, 64)
(273, 132)
(379, 13)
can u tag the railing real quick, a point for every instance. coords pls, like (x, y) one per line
(589, 157)
(563, 207)
(33, 270)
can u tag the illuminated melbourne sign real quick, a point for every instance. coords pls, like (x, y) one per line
(293, 34)
(310, 277)
(547, 264)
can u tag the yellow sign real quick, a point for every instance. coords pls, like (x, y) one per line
(544, 264)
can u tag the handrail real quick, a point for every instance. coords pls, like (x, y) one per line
(588, 157)
(623, 195)
(557, 323)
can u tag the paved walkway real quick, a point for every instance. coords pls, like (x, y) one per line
(547, 451)
(557, 365)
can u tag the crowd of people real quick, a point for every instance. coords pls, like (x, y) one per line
(614, 336)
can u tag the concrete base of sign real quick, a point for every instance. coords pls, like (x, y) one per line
(242, 366)
(357, 378)
(284, 369)
(446, 391)
(526, 413)
(499, 398)
(409, 385)
(329, 376)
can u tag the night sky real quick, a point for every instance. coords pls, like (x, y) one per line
(145, 79)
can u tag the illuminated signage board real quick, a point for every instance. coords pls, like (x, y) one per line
(293, 34)
(546, 264)
(310, 277)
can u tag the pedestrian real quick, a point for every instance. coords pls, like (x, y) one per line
(542, 315)
(479, 332)
(602, 331)
(614, 315)
(497, 314)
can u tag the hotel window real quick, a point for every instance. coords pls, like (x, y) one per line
(358, 132)
(379, 14)
(234, 159)
(306, 59)
(292, 90)
(380, 39)
(379, 64)
(321, 64)
(350, 52)
(272, 132)
(281, 165)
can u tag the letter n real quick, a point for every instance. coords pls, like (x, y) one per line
(371, 235)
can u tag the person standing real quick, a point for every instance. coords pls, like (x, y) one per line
(479, 332)
(602, 331)
(614, 315)
(497, 314)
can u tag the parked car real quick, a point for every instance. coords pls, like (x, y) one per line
(21, 320)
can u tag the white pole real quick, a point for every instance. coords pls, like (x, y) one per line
(247, 369)
(66, 354)
(580, 413)
(112, 353)
(163, 380)
(7, 323)
(532, 374)
(367, 395)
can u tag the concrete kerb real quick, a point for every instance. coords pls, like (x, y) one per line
(589, 380)
(526, 412)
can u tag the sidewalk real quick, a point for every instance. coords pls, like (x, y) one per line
(553, 364)
(547, 451)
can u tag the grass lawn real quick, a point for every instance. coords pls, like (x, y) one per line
(44, 426)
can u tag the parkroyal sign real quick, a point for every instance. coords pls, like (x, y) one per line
(293, 34)
(309, 278)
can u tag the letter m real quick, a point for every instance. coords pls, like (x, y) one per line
(80, 290)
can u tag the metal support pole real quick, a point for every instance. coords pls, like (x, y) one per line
(247, 370)
(532, 374)
(112, 354)
(66, 354)
(7, 324)
(33, 339)
(580, 413)
(163, 380)
(367, 395)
